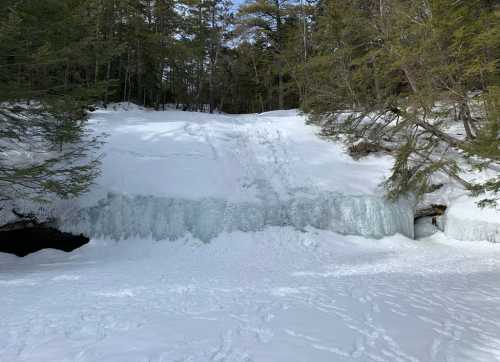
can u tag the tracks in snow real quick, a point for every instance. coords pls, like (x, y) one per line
(246, 298)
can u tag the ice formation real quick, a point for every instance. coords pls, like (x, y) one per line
(167, 174)
(121, 217)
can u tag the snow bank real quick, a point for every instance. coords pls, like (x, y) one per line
(466, 221)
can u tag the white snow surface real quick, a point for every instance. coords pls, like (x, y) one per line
(195, 155)
(277, 282)
(279, 294)
(166, 174)
(465, 220)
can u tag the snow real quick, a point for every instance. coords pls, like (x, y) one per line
(275, 295)
(464, 219)
(191, 155)
(467, 221)
(266, 261)
(166, 174)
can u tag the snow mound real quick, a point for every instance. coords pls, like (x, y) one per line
(122, 217)
(466, 221)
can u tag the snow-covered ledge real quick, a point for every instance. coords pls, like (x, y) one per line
(464, 220)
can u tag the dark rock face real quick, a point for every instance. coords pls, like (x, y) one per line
(430, 211)
(24, 241)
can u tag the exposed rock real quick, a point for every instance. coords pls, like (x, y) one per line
(430, 211)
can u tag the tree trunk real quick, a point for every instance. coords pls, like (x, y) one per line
(281, 95)
(409, 77)
(465, 115)
(281, 90)
(108, 76)
(439, 134)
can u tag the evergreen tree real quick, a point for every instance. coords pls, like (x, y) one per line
(265, 20)
(406, 69)
(45, 87)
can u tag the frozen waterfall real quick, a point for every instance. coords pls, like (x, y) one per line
(122, 217)
(167, 174)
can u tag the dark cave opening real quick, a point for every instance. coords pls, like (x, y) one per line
(25, 241)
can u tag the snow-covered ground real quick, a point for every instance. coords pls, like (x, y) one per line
(275, 295)
(258, 268)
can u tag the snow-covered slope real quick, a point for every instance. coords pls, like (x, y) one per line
(165, 174)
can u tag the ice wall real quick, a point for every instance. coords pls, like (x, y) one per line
(120, 216)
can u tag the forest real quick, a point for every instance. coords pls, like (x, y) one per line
(400, 68)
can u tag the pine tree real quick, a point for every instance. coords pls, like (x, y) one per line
(41, 66)
(265, 19)
(406, 69)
